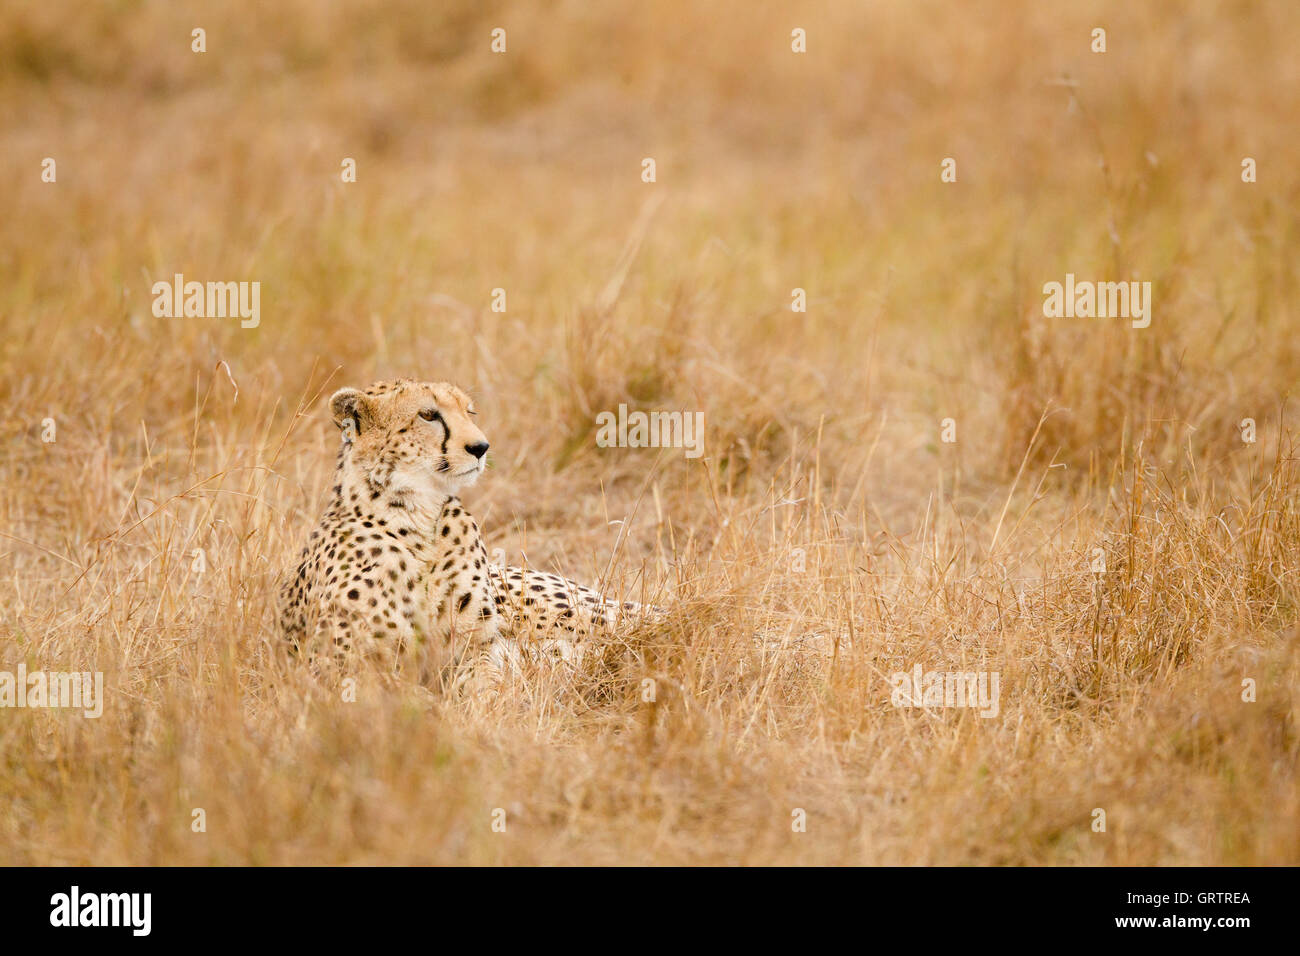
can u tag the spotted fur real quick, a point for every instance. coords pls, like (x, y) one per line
(547, 615)
(397, 567)
(396, 563)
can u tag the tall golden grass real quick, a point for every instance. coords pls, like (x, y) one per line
(1120, 691)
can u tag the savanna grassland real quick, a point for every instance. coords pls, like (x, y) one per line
(828, 538)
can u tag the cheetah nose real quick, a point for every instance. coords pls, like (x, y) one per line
(478, 449)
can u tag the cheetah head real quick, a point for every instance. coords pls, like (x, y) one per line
(405, 437)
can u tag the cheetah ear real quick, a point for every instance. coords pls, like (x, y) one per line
(351, 410)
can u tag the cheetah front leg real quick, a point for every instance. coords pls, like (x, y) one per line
(462, 601)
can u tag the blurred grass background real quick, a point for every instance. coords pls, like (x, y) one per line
(775, 170)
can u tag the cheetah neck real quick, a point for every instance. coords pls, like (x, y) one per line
(370, 491)
(415, 518)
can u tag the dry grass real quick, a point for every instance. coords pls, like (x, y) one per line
(1120, 691)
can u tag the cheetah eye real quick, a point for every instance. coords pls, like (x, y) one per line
(471, 411)
(429, 414)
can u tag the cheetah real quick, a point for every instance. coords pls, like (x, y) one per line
(397, 570)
